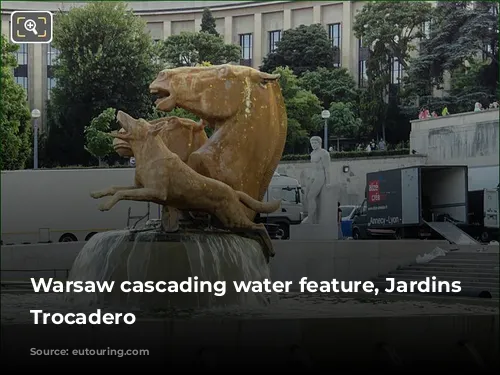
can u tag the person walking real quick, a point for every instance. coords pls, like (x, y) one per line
(339, 221)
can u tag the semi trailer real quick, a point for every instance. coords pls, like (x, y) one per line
(54, 205)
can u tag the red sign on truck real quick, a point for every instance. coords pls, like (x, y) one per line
(374, 191)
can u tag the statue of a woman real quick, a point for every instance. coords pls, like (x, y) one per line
(320, 177)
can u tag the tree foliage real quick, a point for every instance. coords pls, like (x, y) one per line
(396, 25)
(391, 31)
(462, 47)
(98, 141)
(208, 23)
(331, 85)
(304, 48)
(343, 121)
(15, 129)
(191, 49)
(301, 106)
(106, 60)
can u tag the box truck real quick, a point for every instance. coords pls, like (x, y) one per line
(415, 202)
(483, 215)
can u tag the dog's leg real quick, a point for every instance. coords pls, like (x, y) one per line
(137, 194)
(110, 191)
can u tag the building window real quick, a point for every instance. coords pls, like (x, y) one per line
(21, 72)
(52, 54)
(396, 71)
(363, 53)
(274, 37)
(335, 36)
(246, 44)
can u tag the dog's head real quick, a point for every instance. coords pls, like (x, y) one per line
(135, 129)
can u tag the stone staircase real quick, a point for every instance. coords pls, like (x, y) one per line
(478, 273)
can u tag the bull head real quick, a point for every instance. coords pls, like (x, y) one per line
(215, 92)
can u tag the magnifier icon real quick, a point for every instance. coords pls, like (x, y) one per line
(30, 25)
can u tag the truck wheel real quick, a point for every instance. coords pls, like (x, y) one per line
(397, 235)
(355, 234)
(286, 230)
(68, 237)
(90, 235)
(484, 237)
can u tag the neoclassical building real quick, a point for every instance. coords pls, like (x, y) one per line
(254, 25)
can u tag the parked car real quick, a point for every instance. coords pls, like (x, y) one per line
(347, 217)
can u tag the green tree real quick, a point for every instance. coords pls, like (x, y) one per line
(208, 23)
(98, 141)
(331, 85)
(396, 25)
(303, 48)
(15, 129)
(106, 59)
(391, 32)
(462, 47)
(301, 106)
(343, 121)
(191, 49)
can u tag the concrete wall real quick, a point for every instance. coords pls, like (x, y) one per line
(470, 139)
(351, 185)
(317, 260)
(51, 257)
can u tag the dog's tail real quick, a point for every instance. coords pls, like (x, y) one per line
(260, 207)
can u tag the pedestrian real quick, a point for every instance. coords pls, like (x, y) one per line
(381, 145)
(339, 221)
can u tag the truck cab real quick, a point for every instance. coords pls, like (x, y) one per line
(289, 191)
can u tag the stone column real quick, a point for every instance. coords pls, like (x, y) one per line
(287, 19)
(228, 29)
(346, 36)
(317, 14)
(197, 24)
(257, 40)
(167, 29)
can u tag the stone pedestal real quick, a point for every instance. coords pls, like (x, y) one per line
(327, 228)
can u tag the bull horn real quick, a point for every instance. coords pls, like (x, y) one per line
(269, 77)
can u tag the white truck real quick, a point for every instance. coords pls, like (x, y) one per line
(291, 211)
(54, 205)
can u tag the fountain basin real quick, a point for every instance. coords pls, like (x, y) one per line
(156, 256)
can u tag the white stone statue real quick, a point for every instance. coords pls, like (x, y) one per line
(320, 178)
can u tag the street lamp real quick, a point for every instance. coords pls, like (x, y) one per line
(326, 115)
(35, 115)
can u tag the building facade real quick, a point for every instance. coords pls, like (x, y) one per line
(254, 25)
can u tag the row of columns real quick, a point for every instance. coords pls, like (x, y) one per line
(347, 59)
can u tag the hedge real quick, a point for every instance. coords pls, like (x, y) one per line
(334, 155)
(351, 154)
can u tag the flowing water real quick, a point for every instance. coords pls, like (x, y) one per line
(213, 257)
